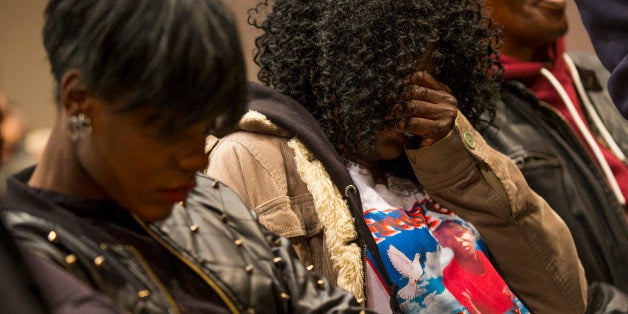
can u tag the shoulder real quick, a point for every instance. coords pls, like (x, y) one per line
(249, 150)
(244, 140)
(587, 60)
(256, 136)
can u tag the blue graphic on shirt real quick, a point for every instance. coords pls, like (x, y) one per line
(419, 257)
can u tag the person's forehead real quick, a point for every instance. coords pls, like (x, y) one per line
(454, 227)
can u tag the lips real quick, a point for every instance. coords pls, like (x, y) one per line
(554, 5)
(177, 195)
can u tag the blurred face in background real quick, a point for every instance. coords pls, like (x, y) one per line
(528, 24)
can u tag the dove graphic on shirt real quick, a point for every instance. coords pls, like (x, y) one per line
(417, 275)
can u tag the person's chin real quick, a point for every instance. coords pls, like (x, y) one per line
(155, 213)
(392, 148)
(393, 152)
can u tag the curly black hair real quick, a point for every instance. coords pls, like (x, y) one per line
(346, 60)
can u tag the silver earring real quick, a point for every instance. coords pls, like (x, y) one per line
(79, 127)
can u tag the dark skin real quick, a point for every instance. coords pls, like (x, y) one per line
(430, 111)
(529, 26)
(429, 115)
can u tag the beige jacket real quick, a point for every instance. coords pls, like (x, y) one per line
(275, 174)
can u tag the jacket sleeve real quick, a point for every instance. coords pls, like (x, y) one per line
(65, 293)
(529, 242)
(239, 162)
(255, 167)
(311, 292)
(232, 160)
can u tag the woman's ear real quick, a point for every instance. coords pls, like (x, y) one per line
(73, 94)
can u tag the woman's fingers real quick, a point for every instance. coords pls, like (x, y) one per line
(427, 108)
(423, 78)
(415, 92)
(430, 121)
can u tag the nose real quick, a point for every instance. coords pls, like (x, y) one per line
(194, 159)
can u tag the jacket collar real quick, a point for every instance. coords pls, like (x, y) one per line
(286, 113)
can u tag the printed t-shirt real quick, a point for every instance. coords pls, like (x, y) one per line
(437, 259)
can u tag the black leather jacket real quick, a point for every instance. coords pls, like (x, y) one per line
(249, 268)
(557, 166)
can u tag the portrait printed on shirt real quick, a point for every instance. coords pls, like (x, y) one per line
(438, 261)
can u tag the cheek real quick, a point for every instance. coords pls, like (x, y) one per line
(138, 191)
(389, 152)
(447, 243)
(468, 238)
(123, 166)
(130, 163)
(387, 147)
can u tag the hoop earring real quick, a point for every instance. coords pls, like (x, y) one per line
(79, 127)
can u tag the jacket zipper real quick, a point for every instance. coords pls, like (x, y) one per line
(155, 279)
(230, 304)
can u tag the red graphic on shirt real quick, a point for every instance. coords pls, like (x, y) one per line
(390, 222)
(470, 277)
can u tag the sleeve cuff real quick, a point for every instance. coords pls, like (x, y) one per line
(448, 160)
